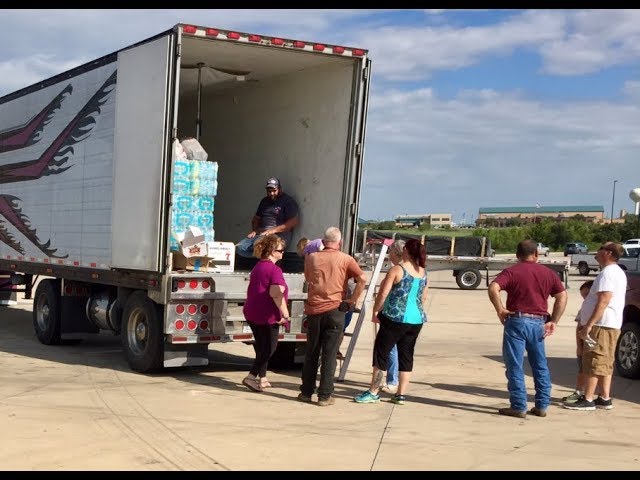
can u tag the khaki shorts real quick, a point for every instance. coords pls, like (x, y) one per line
(599, 361)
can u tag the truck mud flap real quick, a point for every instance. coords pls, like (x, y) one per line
(192, 355)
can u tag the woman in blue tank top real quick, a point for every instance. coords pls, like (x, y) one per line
(399, 307)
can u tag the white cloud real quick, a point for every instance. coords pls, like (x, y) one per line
(493, 149)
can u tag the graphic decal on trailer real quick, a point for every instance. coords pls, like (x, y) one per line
(26, 135)
(52, 162)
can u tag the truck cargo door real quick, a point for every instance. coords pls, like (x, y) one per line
(141, 146)
(353, 173)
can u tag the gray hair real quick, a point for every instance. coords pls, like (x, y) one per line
(332, 234)
(397, 247)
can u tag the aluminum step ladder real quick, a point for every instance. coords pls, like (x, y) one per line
(363, 312)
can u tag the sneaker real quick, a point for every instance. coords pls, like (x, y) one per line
(366, 397)
(538, 412)
(398, 399)
(325, 402)
(304, 398)
(602, 403)
(252, 383)
(573, 398)
(392, 389)
(582, 404)
(511, 412)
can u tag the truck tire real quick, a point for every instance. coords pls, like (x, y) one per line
(583, 268)
(46, 312)
(468, 279)
(141, 333)
(627, 351)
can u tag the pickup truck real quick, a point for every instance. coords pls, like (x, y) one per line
(630, 260)
(585, 262)
(627, 357)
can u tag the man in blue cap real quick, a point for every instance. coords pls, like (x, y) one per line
(277, 213)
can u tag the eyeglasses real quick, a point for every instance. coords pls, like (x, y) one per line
(279, 250)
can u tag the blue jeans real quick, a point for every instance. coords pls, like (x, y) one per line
(392, 367)
(520, 334)
(244, 247)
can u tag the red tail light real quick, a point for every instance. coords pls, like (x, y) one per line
(204, 325)
(181, 284)
(254, 38)
(204, 309)
(338, 49)
(211, 32)
(298, 44)
(206, 284)
(357, 52)
(192, 309)
(318, 47)
(179, 324)
(233, 35)
(277, 41)
(191, 324)
(193, 284)
(189, 29)
(180, 309)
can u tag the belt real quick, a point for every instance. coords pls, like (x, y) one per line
(528, 315)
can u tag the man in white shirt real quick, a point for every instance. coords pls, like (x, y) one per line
(600, 323)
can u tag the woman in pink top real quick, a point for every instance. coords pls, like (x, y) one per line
(265, 308)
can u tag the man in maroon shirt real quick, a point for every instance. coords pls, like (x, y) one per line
(526, 324)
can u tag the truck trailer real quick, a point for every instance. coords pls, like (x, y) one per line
(88, 191)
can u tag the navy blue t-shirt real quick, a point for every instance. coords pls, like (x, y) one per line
(276, 212)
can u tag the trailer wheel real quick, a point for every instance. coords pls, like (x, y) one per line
(46, 312)
(468, 279)
(583, 268)
(628, 351)
(141, 333)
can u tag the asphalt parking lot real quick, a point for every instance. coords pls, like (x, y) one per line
(79, 407)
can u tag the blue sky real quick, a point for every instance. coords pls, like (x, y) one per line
(468, 108)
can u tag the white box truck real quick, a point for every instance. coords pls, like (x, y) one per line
(86, 169)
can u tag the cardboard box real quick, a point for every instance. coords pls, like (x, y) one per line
(193, 264)
(222, 256)
(193, 244)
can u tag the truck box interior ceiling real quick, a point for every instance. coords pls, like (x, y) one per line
(265, 112)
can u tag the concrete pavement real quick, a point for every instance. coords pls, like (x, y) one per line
(80, 407)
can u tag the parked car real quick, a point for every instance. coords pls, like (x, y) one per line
(632, 242)
(627, 357)
(543, 249)
(575, 247)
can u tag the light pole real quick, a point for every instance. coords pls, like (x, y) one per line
(613, 199)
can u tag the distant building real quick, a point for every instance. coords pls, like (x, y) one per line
(437, 220)
(501, 216)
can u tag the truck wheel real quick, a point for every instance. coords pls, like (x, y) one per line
(141, 333)
(46, 312)
(583, 268)
(468, 279)
(627, 353)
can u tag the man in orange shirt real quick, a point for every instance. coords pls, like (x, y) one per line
(326, 273)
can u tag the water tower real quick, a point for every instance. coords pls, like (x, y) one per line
(635, 196)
